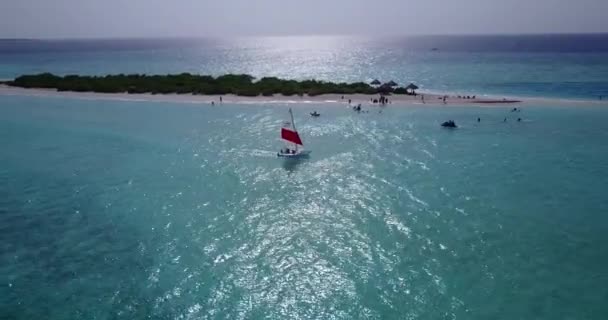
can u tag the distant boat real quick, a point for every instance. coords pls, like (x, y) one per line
(289, 133)
(435, 49)
(449, 124)
(314, 114)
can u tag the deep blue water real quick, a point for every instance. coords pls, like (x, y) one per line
(133, 210)
(561, 66)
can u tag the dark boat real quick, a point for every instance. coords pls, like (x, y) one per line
(449, 124)
(315, 114)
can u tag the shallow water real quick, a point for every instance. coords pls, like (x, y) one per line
(131, 210)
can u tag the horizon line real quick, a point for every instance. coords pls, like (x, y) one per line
(184, 37)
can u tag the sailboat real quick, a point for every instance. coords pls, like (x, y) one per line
(290, 135)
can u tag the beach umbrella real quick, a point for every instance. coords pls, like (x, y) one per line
(385, 88)
(411, 87)
(376, 82)
(392, 83)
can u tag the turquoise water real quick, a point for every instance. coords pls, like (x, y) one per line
(574, 66)
(131, 210)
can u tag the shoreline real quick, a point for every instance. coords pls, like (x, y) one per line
(431, 99)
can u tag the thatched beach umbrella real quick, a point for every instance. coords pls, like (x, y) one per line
(385, 89)
(376, 82)
(392, 83)
(412, 88)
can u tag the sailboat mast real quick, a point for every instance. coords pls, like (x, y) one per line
(293, 124)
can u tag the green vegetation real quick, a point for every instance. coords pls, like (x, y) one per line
(400, 90)
(238, 84)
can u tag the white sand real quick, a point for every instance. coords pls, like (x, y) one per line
(364, 100)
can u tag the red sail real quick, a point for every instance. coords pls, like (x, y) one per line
(291, 136)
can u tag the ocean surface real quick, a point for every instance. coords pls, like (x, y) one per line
(132, 210)
(156, 210)
(557, 66)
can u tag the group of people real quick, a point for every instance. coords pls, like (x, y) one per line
(349, 100)
(445, 98)
(213, 102)
(383, 100)
(505, 119)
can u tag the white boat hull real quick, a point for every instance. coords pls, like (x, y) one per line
(297, 155)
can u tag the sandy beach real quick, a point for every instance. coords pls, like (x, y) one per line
(431, 99)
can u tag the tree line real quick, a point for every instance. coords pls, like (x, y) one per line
(238, 84)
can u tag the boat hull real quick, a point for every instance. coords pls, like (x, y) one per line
(299, 155)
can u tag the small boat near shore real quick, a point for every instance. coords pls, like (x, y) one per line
(449, 124)
(315, 114)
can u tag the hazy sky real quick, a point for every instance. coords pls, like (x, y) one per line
(162, 18)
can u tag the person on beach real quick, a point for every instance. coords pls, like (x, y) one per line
(348, 101)
(220, 99)
(212, 103)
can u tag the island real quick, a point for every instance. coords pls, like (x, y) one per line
(236, 84)
(234, 88)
